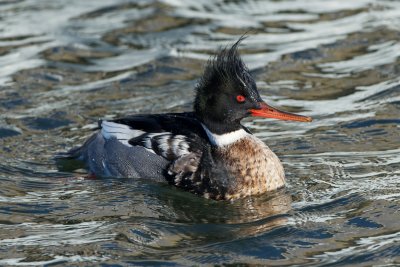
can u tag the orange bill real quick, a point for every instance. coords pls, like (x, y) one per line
(267, 111)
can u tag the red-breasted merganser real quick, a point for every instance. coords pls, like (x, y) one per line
(207, 152)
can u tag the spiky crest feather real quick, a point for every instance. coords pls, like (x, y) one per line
(224, 74)
(225, 67)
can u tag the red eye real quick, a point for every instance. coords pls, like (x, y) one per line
(240, 98)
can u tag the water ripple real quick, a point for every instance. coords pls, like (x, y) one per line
(64, 65)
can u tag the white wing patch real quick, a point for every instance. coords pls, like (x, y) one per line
(180, 145)
(165, 143)
(122, 132)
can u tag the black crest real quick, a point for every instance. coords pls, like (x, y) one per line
(225, 77)
(226, 68)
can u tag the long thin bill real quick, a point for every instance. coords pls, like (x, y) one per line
(266, 111)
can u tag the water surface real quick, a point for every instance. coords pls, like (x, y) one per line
(64, 64)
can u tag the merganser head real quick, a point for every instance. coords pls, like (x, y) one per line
(227, 93)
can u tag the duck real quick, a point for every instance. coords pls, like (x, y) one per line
(207, 151)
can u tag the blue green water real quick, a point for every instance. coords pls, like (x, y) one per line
(64, 64)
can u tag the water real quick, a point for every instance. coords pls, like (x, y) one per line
(64, 64)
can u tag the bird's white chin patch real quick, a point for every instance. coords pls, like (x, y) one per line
(225, 139)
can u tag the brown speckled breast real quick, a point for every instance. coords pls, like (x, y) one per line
(252, 168)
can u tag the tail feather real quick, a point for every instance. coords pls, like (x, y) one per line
(74, 158)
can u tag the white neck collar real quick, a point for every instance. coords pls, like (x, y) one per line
(225, 139)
